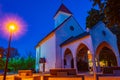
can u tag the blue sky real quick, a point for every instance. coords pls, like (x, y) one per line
(38, 14)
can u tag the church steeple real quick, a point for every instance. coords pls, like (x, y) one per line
(61, 15)
(64, 9)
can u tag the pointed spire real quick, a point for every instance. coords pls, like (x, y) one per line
(63, 8)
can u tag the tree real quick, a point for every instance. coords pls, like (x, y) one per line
(1, 52)
(94, 17)
(2, 63)
(13, 52)
(111, 9)
(116, 31)
(16, 64)
(30, 63)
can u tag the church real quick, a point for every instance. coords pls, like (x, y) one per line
(70, 46)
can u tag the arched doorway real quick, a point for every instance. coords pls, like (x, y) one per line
(82, 58)
(68, 59)
(105, 56)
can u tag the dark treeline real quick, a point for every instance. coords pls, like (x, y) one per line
(16, 62)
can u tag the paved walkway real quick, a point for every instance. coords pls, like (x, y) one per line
(86, 77)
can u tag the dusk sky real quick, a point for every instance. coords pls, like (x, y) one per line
(38, 15)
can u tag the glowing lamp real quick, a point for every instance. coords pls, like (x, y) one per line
(13, 24)
(12, 28)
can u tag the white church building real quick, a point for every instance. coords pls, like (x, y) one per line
(70, 46)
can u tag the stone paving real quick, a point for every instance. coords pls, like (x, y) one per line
(49, 77)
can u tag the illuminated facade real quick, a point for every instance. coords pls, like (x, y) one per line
(70, 46)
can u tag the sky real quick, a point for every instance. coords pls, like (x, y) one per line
(38, 15)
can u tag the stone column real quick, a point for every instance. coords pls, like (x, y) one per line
(62, 63)
(94, 67)
(98, 63)
(75, 63)
(118, 60)
(117, 56)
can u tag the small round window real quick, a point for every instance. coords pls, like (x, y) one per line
(71, 28)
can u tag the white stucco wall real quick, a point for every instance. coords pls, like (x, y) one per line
(48, 51)
(60, 17)
(37, 58)
(64, 33)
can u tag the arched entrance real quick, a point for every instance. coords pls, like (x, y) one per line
(68, 59)
(82, 58)
(105, 56)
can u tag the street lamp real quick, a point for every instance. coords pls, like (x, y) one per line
(11, 29)
(14, 26)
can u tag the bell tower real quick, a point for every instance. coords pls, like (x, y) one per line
(61, 15)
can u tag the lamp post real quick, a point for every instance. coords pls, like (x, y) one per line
(12, 25)
(11, 30)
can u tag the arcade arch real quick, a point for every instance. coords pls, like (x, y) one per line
(68, 59)
(83, 58)
(105, 55)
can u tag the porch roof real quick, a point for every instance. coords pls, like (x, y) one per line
(71, 39)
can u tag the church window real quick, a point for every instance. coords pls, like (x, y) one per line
(104, 33)
(71, 28)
